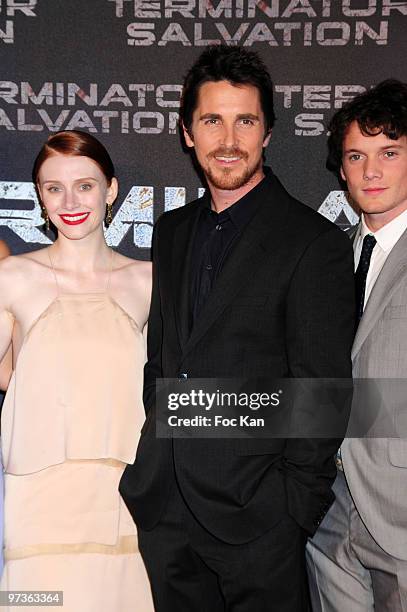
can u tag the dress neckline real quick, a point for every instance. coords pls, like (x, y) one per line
(46, 310)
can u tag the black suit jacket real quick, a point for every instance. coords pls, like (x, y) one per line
(282, 306)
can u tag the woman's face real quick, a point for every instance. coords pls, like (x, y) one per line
(75, 192)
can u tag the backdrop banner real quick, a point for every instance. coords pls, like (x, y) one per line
(115, 68)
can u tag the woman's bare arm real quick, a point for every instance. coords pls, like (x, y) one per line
(4, 250)
(6, 369)
(6, 329)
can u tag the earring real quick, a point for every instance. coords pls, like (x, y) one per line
(109, 217)
(44, 215)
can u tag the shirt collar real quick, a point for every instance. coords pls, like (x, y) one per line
(388, 235)
(241, 211)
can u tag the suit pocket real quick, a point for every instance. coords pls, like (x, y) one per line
(397, 449)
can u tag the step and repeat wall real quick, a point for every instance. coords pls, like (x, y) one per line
(115, 68)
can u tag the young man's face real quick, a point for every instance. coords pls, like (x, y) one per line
(375, 170)
(228, 134)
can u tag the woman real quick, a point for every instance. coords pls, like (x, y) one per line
(5, 368)
(73, 410)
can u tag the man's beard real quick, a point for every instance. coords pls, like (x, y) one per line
(226, 178)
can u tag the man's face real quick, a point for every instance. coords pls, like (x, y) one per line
(375, 170)
(228, 134)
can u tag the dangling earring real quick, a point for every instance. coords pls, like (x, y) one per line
(44, 215)
(109, 217)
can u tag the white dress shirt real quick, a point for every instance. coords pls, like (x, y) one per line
(386, 238)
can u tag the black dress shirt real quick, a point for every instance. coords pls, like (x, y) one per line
(215, 235)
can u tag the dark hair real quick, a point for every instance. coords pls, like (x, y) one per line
(382, 109)
(233, 64)
(74, 142)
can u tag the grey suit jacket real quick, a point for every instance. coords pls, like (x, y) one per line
(376, 468)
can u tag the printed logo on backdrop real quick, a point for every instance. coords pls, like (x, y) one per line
(20, 212)
(145, 108)
(137, 108)
(141, 108)
(246, 22)
(10, 13)
(135, 215)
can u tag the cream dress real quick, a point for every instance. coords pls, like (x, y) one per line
(70, 424)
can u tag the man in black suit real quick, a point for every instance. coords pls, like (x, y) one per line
(248, 282)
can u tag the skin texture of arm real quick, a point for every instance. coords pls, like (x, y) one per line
(4, 250)
(6, 361)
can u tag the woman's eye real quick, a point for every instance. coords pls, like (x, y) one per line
(54, 189)
(86, 186)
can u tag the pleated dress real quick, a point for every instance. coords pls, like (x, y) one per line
(71, 422)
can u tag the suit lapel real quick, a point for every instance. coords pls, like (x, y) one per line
(181, 267)
(387, 282)
(263, 232)
(354, 234)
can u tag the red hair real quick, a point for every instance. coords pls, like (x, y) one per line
(74, 142)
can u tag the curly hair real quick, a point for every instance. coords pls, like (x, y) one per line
(382, 109)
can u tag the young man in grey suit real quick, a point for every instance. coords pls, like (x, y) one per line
(357, 560)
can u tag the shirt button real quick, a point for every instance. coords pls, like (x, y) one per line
(218, 227)
(208, 267)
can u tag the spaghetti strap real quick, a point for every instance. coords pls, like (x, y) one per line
(110, 271)
(54, 273)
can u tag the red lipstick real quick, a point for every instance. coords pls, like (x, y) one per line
(71, 219)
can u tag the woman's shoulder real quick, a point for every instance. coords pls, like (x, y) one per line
(132, 287)
(23, 267)
(14, 276)
(134, 268)
(11, 265)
